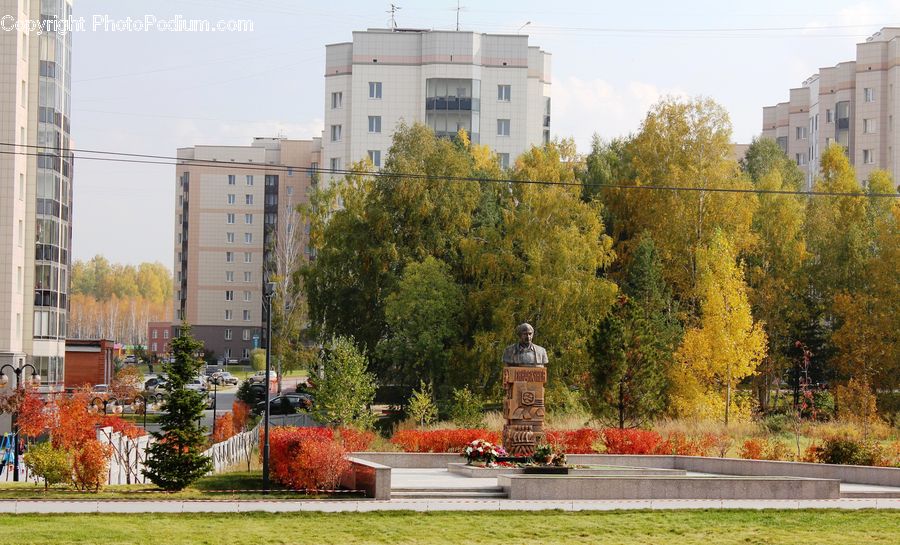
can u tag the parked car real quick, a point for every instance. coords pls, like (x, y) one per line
(286, 404)
(198, 384)
(100, 389)
(155, 384)
(130, 358)
(223, 377)
(260, 376)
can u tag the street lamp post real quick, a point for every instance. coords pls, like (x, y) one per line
(270, 291)
(106, 403)
(215, 398)
(4, 380)
(145, 404)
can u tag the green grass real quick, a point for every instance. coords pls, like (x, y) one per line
(236, 485)
(506, 528)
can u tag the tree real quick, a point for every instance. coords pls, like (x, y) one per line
(344, 395)
(421, 406)
(423, 318)
(258, 359)
(466, 409)
(633, 346)
(52, 465)
(176, 459)
(726, 346)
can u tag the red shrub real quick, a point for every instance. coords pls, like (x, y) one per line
(685, 445)
(224, 428)
(440, 440)
(579, 441)
(90, 463)
(355, 440)
(753, 449)
(312, 458)
(118, 424)
(630, 441)
(240, 412)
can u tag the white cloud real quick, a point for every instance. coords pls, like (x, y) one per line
(584, 107)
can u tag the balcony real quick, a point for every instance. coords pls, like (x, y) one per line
(452, 104)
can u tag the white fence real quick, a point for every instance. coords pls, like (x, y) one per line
(126, 465)
(234, 451)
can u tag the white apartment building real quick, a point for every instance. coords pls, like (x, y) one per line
(231, 204)
(495, 86)
(852, 103)
(35, 190)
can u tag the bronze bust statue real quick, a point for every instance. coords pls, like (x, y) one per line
(524, 353)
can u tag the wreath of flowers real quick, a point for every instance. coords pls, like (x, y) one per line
(484, 452)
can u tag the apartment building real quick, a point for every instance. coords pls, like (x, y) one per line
(233, 206)
(852, 103)
(495, 86)
(35, 190)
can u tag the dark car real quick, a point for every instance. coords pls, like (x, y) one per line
(286, 404)
(155, 384)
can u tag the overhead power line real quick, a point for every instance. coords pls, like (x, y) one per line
(164, 160)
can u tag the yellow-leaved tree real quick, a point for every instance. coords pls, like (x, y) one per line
(726, 345)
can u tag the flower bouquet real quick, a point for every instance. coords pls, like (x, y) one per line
(483, 453)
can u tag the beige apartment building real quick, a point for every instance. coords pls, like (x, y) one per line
(35, 189)
(852, 103)
(233, 205)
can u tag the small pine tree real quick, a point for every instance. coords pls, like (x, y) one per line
(467, 409)
(175, 460)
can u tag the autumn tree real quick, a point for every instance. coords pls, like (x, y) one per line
(344, 395)
(725, 346)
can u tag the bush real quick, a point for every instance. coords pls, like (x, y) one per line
(224, 428)
(778, 423)
(630, 441)
(839, 450)
(90, 464)
(467, 410)
(580, 441)
(765, 449)
(312, 458)
(421, 408)
(682, 444)
(441, 440)
(53, 465)
(824, 403)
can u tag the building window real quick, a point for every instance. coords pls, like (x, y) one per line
(868, 156)
(165, 333)
(869, 94)
(335, 164)
(245, 353)
(870, 126)
(231, 179)
(504, 92)
(248, 257)
(248, 238)
(829, 117)
(504, 160)
(374, 123)
(153, 348)
(801, 133)
(229, 276)
(229, 295)
(231, 198)
(503, 127)
(227, 314)
(249, 179)
(246, 296)
(246, 334)
(374, 89)
(228, 334)
(335, 133)
(229, 238)
(375, 157)
(337, 100)
(229, 257)
(246, 315)
(248, 219)
(155, 333)
(248, 276)
(229, 218)
(800, 158)
(248, 198)
(311, 171)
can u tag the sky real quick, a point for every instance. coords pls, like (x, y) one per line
(151, 92)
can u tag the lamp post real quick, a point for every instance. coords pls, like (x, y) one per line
(215, 398)
(269, 293)
(150, 399)
(4, 380)
(106, 403)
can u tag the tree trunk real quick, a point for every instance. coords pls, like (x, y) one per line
(621, 407)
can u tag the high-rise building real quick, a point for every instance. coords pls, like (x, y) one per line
(852, 103)
(235, 213)
(495, 86)
(35, 188)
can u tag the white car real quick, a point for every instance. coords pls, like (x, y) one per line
(260, 376)
(198, 384)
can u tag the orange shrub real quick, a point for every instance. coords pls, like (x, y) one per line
(90, 464)
(355, 440)
(224, 428)
(240, 412)
(681, 444)
(118, 424)
(578, 441)
(440, 440)
(630, 441)
(312, 458)
(764, 448)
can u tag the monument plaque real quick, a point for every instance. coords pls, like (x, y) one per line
(523, 406)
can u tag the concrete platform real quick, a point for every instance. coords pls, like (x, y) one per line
(485, 472)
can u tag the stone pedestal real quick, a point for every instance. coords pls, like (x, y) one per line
(523, 409)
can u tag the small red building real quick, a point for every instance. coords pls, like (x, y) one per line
(158, 334)
(89, 361)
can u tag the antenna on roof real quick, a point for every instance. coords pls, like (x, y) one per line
(458, 9)
(393, 11)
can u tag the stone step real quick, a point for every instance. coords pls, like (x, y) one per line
(492, 489)
(873, 494)
(448, 494)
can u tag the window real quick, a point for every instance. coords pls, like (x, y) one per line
(375, 157)
(868, 156)
(374, 123)
(227, 314)
(249, 179)
(504, 92)
(165, 333)
(155, 333)
(246, 335)
(504, 160)
(248, 238)
(25, 95)
(229, 218)
(869, 94)
(248, 276)
(829, 117)
(228, 334)
(870, 126)
(231, 179)
(229, 257)
(335, 133)
(335, 163)
(248, 257)
(800, 158)
(337, 100)
(801, 133)
(503, 127)
(229, 295)
(828, 141)
(246, 296)
(229, 276)
(248, 219)
(21, 186)
(153, 348)
(374, 89)
(246, 315)
(229, 238)
(248, 198)
(231, 198)
(21, 233)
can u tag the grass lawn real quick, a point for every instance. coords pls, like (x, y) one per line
(223, 486)
(821, 527)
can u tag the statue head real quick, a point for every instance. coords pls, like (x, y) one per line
(525, 333)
